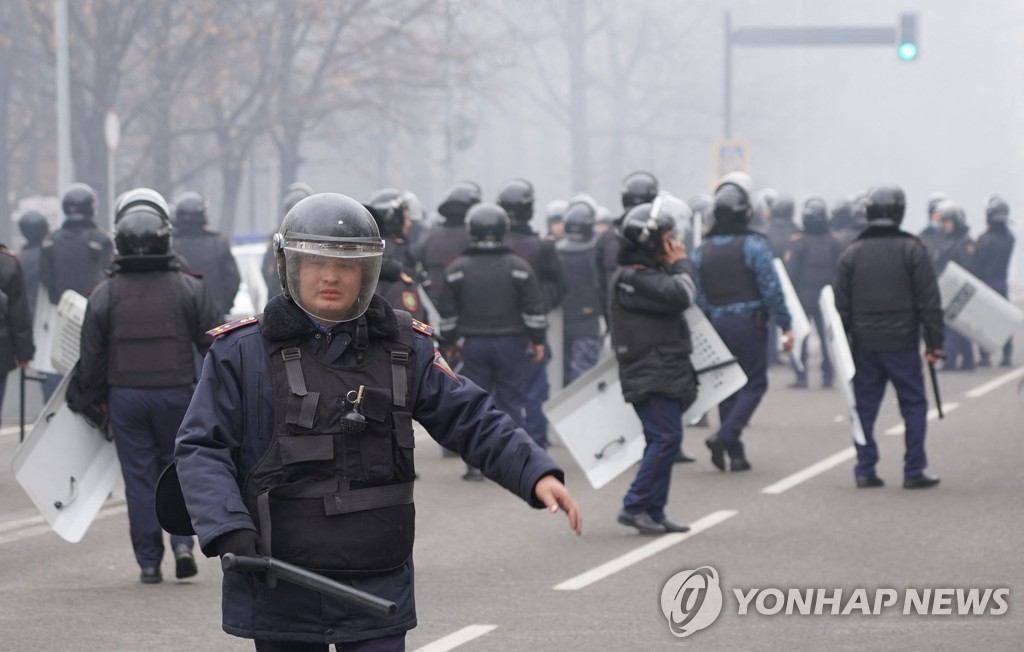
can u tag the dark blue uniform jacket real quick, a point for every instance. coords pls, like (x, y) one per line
(227, 430)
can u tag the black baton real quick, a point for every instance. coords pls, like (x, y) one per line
(935, 389)
(299, 576)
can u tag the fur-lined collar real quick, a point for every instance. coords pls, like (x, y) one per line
(284, 320)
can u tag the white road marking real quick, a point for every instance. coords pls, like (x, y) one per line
(818, 468)
(455, 639)
(996, 382)
(36, 525)
(933, 414)
(663, 542)
(14, 430)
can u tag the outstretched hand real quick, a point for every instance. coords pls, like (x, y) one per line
(550, 491)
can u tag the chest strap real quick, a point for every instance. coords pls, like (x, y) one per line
(297, 385)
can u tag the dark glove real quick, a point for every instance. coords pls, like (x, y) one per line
(241, 542)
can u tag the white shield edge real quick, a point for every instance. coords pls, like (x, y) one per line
(603, 433)
(801, 326)
(975, 310)
(842, 358)
(433, 316)
(44, 328)
(66, 461)
(68, 336)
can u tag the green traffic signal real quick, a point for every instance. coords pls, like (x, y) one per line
(908, 51)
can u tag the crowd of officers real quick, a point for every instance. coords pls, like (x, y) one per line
(370, 276)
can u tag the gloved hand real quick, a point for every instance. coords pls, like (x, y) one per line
(240, 542)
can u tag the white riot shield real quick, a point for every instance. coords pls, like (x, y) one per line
(556, 344)
(433, 316)
(70, 315)
(602, 431)
(801, 325)
(44, 328)
(975, 310)
(718, 373)
(67, 467)
(842, 357)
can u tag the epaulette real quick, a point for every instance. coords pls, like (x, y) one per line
(230, 326)
(422, 328)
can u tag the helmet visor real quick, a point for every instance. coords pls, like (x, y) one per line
(332, 280)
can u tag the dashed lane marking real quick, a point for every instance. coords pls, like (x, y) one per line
(995, 383)
(660, 544)
(818, 468)
(933, 414)
(455, 639)
(26, 528)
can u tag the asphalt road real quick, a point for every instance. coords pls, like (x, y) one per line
(487, 565)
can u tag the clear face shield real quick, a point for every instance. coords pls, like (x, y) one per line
(332, 279)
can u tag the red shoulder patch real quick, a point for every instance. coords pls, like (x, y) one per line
(230, 326)
(422, 328)
(442, 364)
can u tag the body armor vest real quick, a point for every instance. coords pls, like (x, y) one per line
(151, 331)
(334, 491)
(443, 245)
(634, 333)
(724, 274)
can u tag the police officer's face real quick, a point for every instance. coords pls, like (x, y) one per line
(328, 286)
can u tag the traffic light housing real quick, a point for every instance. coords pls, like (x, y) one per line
(907, 42)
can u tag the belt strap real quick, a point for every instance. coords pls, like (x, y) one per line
(297, 384)
(399, 377)
(348, 500)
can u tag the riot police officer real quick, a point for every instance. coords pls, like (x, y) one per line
(493, 300)
(932, 236)
(208, 252)
(992, 262)
(650, 290)
(34, 227)
(811, 263)
(293, 194)
(137, 338)
(958, 247)
(554, 217)
(583, 306)
(637, 188)
(397, 282)
(16, 347)
(887, 296)
(739, 290)
(516, 197)
(444, 242)
(326, 384)
(75, 256)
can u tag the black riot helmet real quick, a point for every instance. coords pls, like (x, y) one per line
(34, 226)
(815, 215)
(293, 194)
(142, 230)
(783, 208)
(842, 215)
(638, 188)
(460, 198)
(79, 202)
(516, 197)
(487, 224)
(732, 209)
(579, 221)
(886, 202)
(147, 197)
(190, 208)
(390, 210)
(329, 252)
(643, 228)
(997, 211)
(950, 211)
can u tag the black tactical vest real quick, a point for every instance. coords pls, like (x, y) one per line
(635, 333)
(724, 275)
(443, 244)
(151, 331)
(328, 495)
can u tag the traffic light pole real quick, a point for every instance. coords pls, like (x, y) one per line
(905, 34)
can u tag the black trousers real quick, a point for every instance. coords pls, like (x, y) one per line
(387, 644)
